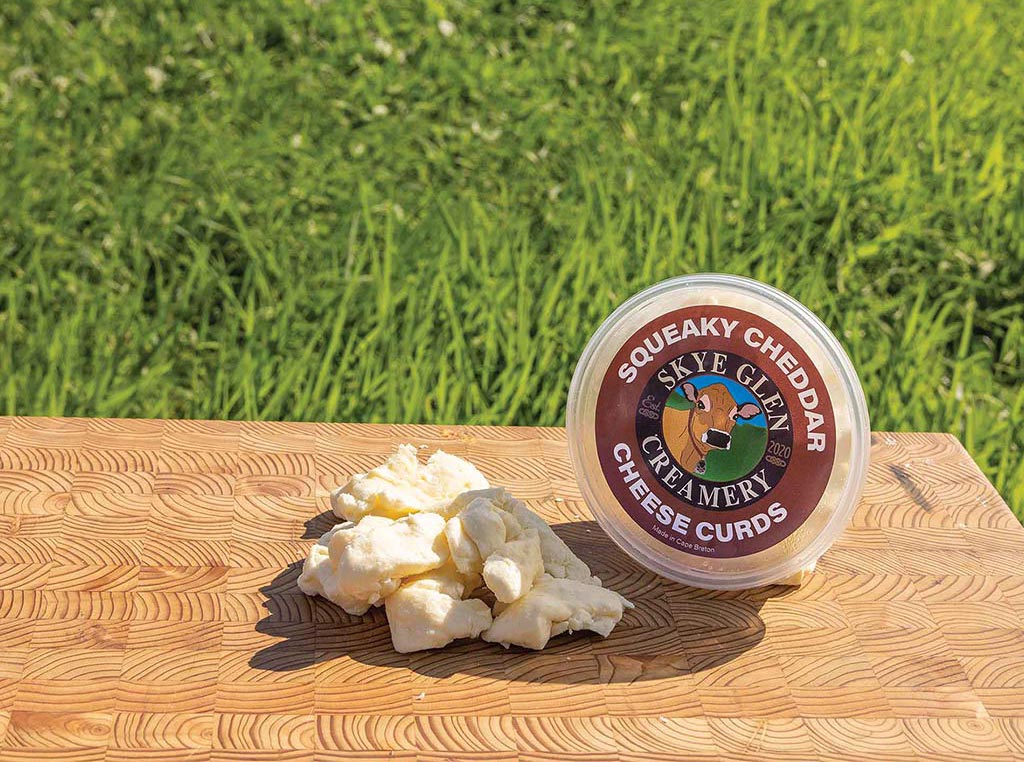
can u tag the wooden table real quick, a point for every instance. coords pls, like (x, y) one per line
(148, 610)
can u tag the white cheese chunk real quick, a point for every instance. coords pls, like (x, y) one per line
(357, 565)
(428, 611)
(559, 561)
(485, 539)
(554, 606)
(487, 526)
(511, 570)
(463, 550)
(421, 538)
(402, 485)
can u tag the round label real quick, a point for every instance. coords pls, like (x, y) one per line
(715, 431)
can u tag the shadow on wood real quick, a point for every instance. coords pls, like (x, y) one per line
(319, 524)
(674, 629)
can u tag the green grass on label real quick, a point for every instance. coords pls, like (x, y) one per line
(678, 402)
(744, 453)
(421, 211)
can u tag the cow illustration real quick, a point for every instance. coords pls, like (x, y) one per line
(691, 434)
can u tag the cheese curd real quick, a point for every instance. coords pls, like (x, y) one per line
(559, 561)
(402, 485)
(554, 606)
(510, 571)
(485, 539)
(428, 611)
(420, 544)
(358, 565)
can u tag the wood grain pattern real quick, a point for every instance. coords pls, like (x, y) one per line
(148, 610)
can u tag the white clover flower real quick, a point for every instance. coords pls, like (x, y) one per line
(156, 77)
(23, 74)
(446, 28)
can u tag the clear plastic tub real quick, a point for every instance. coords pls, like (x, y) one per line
(718, 431)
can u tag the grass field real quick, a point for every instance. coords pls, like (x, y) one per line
(420, 211)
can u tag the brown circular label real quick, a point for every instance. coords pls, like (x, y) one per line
(715, 431)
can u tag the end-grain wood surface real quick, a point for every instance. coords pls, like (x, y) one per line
(148, 610)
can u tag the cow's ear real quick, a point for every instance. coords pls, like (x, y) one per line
(690, 391)
(747, 410)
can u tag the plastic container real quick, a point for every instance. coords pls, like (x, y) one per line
(718, 431)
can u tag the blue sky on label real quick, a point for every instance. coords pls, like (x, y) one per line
(739, 393)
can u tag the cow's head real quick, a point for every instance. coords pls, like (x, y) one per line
(715, 413)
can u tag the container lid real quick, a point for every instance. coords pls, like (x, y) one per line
(718, 431)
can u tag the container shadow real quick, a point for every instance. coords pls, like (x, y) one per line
(674, 630)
